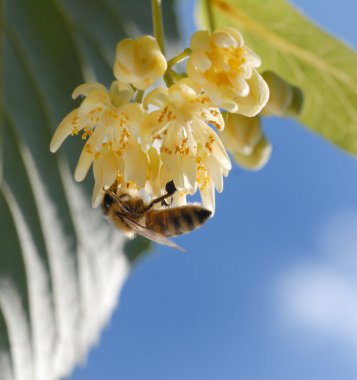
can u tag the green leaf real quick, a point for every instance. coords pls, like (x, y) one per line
(61, 263)
(303, 54)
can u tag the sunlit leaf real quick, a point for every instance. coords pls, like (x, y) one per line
(61, 264)
(299, 51)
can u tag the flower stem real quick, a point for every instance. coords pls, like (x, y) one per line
(208, 4)
(176, 76)
(178, 58)
(157, 23)
(139, 96)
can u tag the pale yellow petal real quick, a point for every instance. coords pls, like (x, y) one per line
(83, 165)
(65, 129)
(86, 88)
(156, 97)
(189, 171)
(120, 93)
(110, 170)
(241, 133)
(98, 191)
(179, 199)
(208, 197)
(135, 165)
(200, 40)
(257, 98)
(214, 170)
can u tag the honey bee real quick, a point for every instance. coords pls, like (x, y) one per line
(155, 220)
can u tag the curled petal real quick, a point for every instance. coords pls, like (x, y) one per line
(95, 93)
(86, 88)
(157, 98)
(120, 93)
(67, 127)
(225, 39)
(257, 98)
(235, 36)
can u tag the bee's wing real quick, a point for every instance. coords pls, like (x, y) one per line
(152, 235)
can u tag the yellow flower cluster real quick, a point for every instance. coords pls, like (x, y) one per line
(170, 135)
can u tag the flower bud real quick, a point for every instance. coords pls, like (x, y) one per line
(139, 62)
(258, 158)
(241, 134)
(285, 99)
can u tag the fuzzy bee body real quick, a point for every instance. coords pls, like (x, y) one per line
(177, 220)
(133, 216)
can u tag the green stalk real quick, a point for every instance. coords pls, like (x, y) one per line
(211, 25)
(178, 58)
(157, 23)
(139, 96)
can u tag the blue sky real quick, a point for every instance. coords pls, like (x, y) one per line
(268, 289)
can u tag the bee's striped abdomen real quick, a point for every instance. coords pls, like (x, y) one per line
(177, 220)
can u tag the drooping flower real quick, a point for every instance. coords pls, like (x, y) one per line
(285, 99)
(226, 69)
(244, 139)
(139, 62)
(111, 125)
(191, 153)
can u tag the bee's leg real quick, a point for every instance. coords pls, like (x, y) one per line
(170, 188)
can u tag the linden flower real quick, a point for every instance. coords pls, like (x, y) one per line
(139, 62)
(244, 139)
(226, 70)
(191, 153)
(241, 134)
(112, 125)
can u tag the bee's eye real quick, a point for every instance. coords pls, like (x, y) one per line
(107, 201)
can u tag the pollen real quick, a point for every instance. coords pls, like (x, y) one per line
(236, 58)
(217, 125)
(123, 119)
(87, 148)
(162, 115)
(86, 132)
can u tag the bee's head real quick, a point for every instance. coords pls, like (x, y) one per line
(107, 202)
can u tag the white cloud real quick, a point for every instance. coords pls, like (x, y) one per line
(318, 296)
